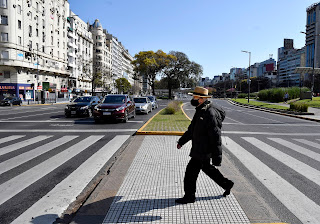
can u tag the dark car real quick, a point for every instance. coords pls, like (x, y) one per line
(154, 102)
(9, 101)
(118, 107)
(81, 106)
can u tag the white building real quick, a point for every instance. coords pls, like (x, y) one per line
(80, 55)
(33, 48)
(102, 56)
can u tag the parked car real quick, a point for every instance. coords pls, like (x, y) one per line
(143, 104)
(154, 102)
(81, 106)
(115, 106)
(9, 101)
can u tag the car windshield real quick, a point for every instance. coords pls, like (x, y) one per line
(140, 100)
(114, 99)
(82, 99)
(151, 98)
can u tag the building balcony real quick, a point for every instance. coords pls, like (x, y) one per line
(72, 35)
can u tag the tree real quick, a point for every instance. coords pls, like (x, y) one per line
(150, 64)
(180, 68)
(123, 85)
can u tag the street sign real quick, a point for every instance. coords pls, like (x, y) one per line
(28, 96)
(39, 88)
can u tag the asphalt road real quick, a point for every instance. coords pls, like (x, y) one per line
(277, 159)
(41, 149)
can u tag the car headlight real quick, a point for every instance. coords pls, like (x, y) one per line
(67, 107)
(84, 108)
(145, 106)
(120, 108)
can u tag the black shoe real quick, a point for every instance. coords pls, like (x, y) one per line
(227, 190)
(185, 200)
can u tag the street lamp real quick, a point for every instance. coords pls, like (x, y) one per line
(314, 57)
(249, 74)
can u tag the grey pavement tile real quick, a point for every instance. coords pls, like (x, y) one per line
(155, 180)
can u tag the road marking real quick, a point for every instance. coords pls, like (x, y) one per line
(269, 133)
(25, 179)
(10, 138)
(297, 148)
(68, 130)
(52, 205)
(22, 144)
(135, 121)
(238, 122)
(37, 121)
(304, 141)
(32, 115)
(301, 206)
(24, 157)
(305, 170)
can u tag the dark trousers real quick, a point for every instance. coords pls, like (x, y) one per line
(192, 171)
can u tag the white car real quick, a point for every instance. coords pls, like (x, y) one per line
(143, 105)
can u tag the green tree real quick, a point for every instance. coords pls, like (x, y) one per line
(180, 68)
(123, 85)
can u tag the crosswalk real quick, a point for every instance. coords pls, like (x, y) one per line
(260, 157)
(19, 151)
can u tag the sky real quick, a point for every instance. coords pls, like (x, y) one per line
(211, 33)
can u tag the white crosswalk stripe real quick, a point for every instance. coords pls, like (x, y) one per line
(24, 157)
(297, 148)
(306, 210)
(10, 138)
(22, 144)
(304, 141)
(56, 201)
(20, 182)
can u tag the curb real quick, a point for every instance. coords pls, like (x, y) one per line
(178, 133)
(274, 112)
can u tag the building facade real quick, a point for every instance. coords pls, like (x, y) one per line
(33, 49)
(289, 59)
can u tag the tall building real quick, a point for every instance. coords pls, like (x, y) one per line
(80, 55)
(289, 59)
(102, 55)
(33, 49)
(312, 36)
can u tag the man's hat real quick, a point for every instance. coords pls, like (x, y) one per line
(200, 92)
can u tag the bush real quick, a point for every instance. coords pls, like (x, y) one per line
(242, 95)
(276, 94)
(299, 106)
(173, 107)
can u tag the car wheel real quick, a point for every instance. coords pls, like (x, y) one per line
(125, 119)
(89, 113)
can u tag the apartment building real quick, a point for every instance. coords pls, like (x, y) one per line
(289, 59)
(102, 56)
(33, 49)
(80, 55)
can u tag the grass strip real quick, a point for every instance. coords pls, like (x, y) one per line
(168, 122)
(315, 102)
(261, 104)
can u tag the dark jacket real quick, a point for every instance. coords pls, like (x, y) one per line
(205, 133)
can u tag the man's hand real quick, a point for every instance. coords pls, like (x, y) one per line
(178, 146)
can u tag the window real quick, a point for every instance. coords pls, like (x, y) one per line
(30, 31)
(4, 20)
(3, 3)
(37, 32)
(6, 74)
(19, 40)
(4, 37)
(19, 24)
(30, 44)
(5, 55)
(51, 40)
(37, 46)
(19, 9)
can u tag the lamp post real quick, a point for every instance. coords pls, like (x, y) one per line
(249, 81)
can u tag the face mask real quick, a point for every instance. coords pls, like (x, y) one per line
(194, 102)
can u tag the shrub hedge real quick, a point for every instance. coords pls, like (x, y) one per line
(299, 106)
(173, 107)
(276, 94)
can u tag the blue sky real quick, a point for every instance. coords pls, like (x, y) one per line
(211, 32)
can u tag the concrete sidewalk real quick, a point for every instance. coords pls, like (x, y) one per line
(155, 179)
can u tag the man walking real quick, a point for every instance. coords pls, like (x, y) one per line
(205, 133)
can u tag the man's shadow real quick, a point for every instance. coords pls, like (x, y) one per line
(117, 212)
